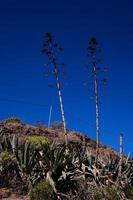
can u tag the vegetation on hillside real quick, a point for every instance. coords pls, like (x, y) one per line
(71, 174)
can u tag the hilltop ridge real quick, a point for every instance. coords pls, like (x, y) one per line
(55, 134)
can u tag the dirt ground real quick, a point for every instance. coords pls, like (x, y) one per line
(6, 194)
(15, 197)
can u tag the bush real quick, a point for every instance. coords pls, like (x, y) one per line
(8, 169)
(37, 141)
(7, 159)
(128, 191)
(42, 191)
(108, 193)
(13, 119)
(57, 126)
(112, 193)
(98, 196)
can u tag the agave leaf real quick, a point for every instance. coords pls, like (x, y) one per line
(51, 181)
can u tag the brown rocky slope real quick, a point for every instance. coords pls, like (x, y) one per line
(55, 134)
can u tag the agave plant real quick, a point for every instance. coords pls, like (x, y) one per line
(23, 151)
(64, 170)
(53, 161)
(56, 167)
(6, 143)
(26, 157)
(129, 173)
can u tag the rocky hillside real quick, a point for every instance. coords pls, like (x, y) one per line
(55, 134)
(33, 167)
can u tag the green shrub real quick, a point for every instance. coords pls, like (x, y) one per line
(98, 196)
(8, 169)
(128, 191)
(108, 193)
(57, 126)
(42, 191)
(37, 141)
(112, 194)
(6, 158)
(13, 119)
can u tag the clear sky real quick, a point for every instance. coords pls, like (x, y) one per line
(24, 91)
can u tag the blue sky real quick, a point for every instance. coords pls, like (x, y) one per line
(24, 91)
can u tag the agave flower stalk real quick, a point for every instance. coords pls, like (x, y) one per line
(121, 157)
(51, 49)
(93, 50)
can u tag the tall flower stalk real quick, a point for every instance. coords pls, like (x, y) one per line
(51, 50)
(93, 51)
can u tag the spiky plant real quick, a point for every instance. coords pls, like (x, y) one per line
(26, 157)
(58, 168)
